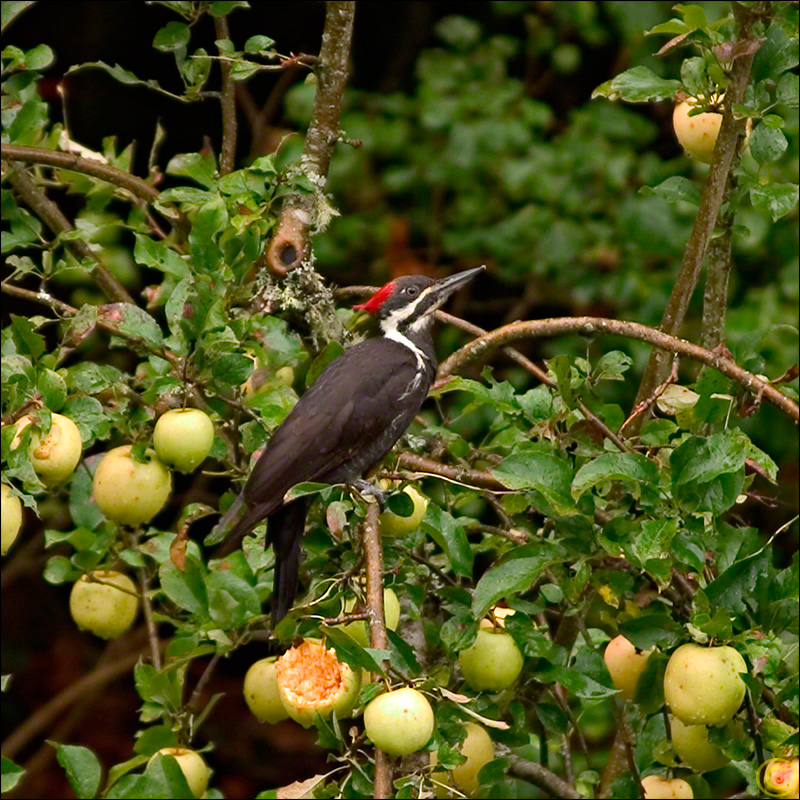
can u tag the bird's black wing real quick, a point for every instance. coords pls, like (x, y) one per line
(342, 420)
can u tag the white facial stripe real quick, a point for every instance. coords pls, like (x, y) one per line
(401, 314)
(396, 336)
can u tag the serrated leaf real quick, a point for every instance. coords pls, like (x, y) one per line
(547, 474)
(637, 85)
(614, 467)
(778, 198)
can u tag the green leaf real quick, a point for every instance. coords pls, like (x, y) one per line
(195, 166)
(637, 85)
(449, 534)
(185, 588)
(655, 539)
(133, 321)
(124, 76)
(675, 190)
(611, 366)
(615, 467)
(514, 576)
(778, 198)
(547, 474)
(787, 91)
(174, 36)
(158, 255)
(708, 474)
(537, 404)
(259, 44)
(350, 652)
(82, 767)
(11, 9)
(12, 773)
(767, 144)
(576, 682)
(305, 488)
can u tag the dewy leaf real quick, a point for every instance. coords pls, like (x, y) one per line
(543, 472)
(655, 538)
(513, 576)
(767, 144)
(637, 85)
(615, 467)
(449, 534)
(779, 198)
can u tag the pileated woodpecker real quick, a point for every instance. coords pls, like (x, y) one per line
(346, 422)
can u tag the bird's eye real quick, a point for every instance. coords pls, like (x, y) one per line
(412, 291)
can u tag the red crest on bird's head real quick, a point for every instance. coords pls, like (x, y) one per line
(378, 299)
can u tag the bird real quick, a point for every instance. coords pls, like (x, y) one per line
(345, 423)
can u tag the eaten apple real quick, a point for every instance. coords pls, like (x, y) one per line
(11, 517)
(478, 749)
(312, 680)
(399, 722)
(55, 454)
(625, 664)
(702, 685)
(261, 691)
(194, 768)
(129, 491)
(492, 662)
(183, 438)
(104, 602)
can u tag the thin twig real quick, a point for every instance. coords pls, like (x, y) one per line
(542, 777)
(147, 608)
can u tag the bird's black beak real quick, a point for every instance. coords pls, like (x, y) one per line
(442, 289)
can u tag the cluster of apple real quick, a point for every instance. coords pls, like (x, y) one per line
(309, 679)
(126, 490)
(702, 686)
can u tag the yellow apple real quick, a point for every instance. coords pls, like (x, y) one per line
(55, 455)
(626, 664)
(11, 517)
(399, 722)
(106, 607)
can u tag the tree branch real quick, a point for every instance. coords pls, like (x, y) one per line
(542, 777)
(51, 215)
(227, 101)
(731, 130)
(632, 330)
(290, 244)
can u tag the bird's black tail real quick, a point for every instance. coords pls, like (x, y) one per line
(285, 530)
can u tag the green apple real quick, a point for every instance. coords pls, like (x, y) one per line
(657, 788)
(691, 745)
(626, 664)
(478, 749)
(55, 455)
(183, 438)
(702, 685)
(311, 679)
(194, 768)
(106, 607)
(11, 517)
(261, 691)
(394, 525)
(399, 722)
(391, 613)
(129, 491)
(493, 661)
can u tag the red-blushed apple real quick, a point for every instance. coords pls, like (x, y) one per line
(194, 768)
(658, 788)
(11, 517)
(183, 438)
(311, 679)
(702, 685)
(399, 722)
(261, 691)
(104, 602)
(55, 454)
(625, 664)
(478, 749)
(492, 662)
(781, 777)
(129, 491)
